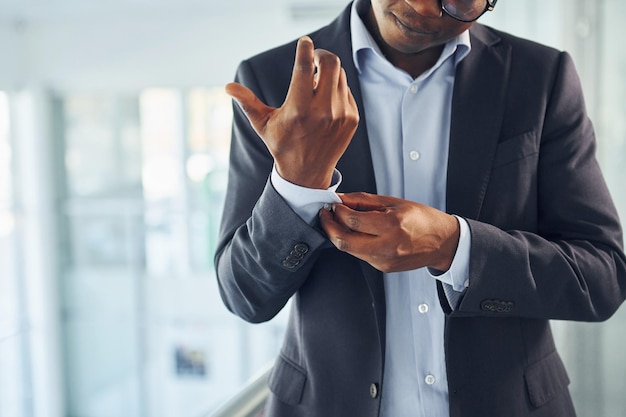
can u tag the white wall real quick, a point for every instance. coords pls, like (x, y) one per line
(128, 49)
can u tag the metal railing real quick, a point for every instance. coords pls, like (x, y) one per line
(249, 402)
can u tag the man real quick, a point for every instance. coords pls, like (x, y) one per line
(470, 211)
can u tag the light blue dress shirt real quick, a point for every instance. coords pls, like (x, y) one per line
(408, 124)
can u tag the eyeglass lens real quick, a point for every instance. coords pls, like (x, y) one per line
(465, 10)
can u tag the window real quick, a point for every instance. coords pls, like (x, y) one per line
(13, 336)
(8, 298)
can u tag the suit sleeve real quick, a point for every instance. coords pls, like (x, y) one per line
(573, 266)
(265, 250)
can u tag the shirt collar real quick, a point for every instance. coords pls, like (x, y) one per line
(460, 46)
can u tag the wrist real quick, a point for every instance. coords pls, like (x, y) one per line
(448, 246)
(316, 179)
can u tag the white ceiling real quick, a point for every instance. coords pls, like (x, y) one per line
(43, 10)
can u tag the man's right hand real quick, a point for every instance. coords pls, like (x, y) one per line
(312, 129)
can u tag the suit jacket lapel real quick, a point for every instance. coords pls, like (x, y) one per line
(477, 111)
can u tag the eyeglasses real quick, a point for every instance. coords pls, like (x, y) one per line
(467, 10)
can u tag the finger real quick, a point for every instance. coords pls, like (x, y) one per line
(345, 89)
(343, 238)
(345, 95)
(334, 230)
(373, 223)
(302, 77)
(342, 84)
(255, 110)
(328, 73)
(366, 201)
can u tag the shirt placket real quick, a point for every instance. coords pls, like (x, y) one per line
(420, 173)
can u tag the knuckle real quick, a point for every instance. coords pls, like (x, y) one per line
(353, 222)
(328, 59)
(353, 119)
(349, 116)
(392, 220)
(325, 118)
(385, 266)
(299, 119)
(341, 244)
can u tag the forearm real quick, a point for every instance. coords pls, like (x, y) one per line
(548, 242)
(522, 274)
(267, 259)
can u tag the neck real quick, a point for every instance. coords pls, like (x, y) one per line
(413, 63)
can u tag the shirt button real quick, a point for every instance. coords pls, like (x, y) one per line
(429, 379)
(414, 155)
(422, 308)
(374, 390)
(413, 89)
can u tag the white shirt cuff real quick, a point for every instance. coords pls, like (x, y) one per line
(457, 277)
(306, 202)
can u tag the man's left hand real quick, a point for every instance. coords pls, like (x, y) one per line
(392, 234)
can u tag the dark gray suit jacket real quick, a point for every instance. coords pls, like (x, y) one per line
(546, 241)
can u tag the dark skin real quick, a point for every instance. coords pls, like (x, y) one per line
(311, 130)
(411, 34)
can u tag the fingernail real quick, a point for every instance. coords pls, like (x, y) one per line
(328, 207)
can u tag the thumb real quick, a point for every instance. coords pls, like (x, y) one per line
(255, 110)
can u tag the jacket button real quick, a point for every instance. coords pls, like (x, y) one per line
(290, 263)
(301, 248)
(497, 306)
(374, 390)
(295, 256)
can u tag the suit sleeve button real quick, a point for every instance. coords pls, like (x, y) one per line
(290, 263)
(497, 306)
(301, 248)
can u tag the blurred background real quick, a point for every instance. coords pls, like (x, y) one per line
(114, 134)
